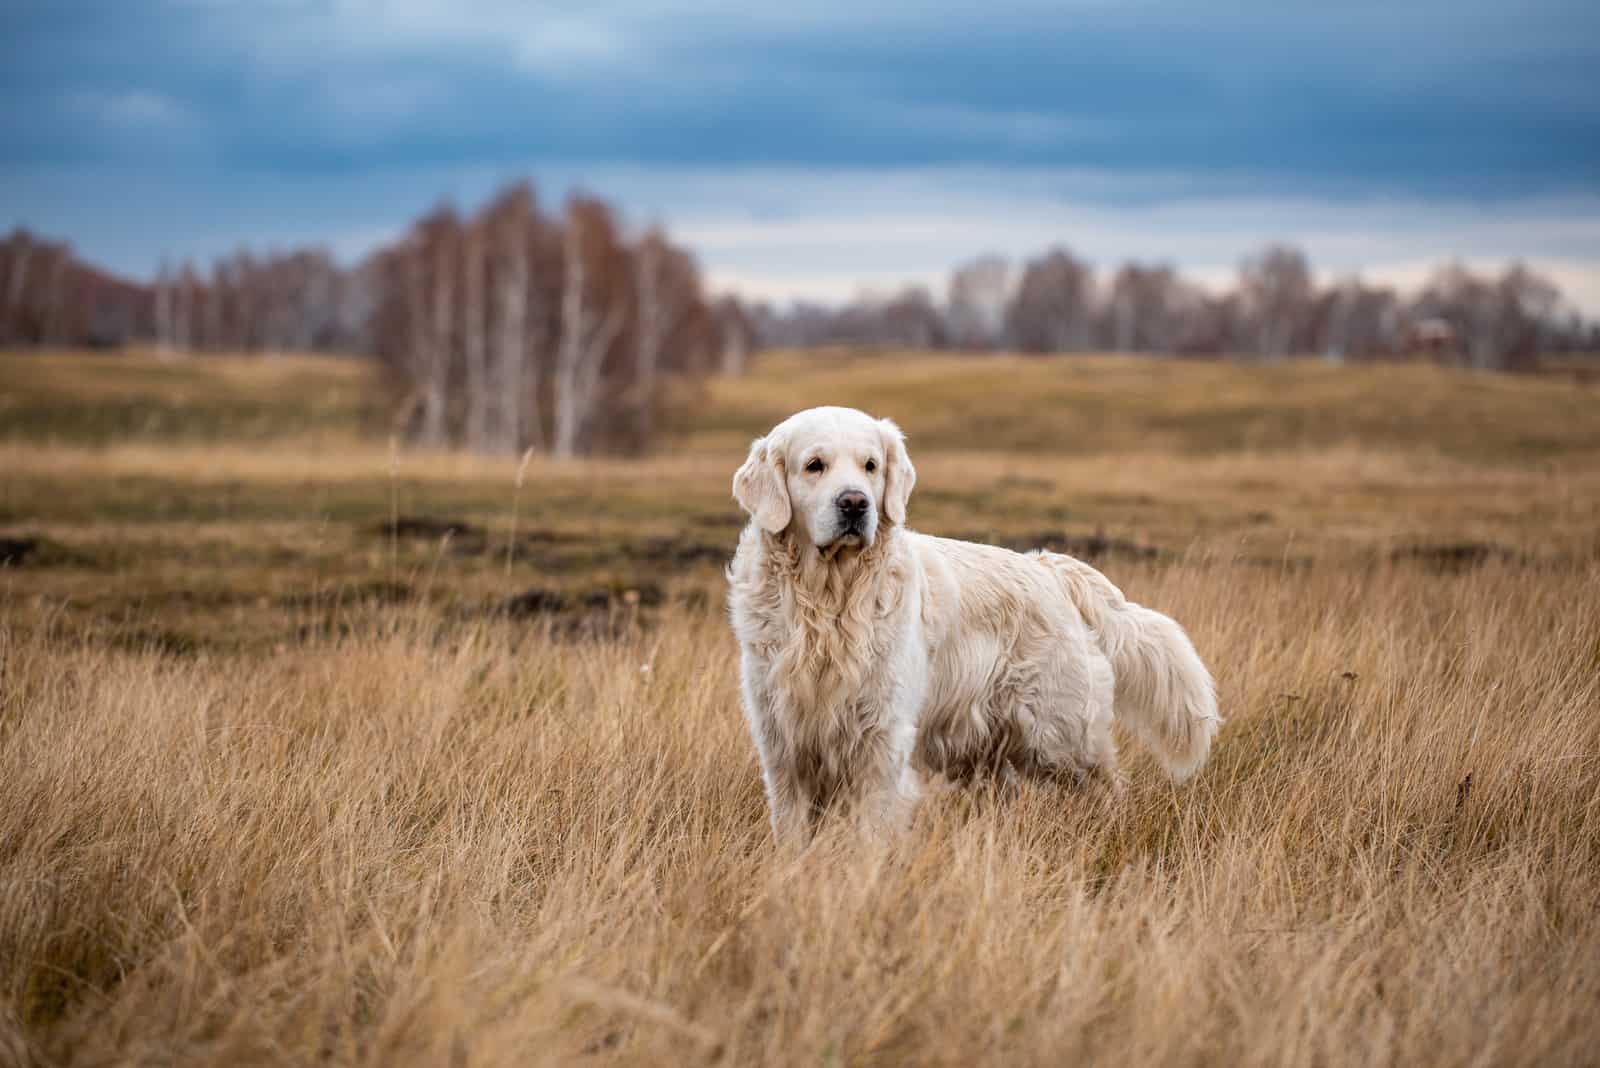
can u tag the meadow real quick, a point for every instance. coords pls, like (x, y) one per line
(318, 750)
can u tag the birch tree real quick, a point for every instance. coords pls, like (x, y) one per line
(21, 249)
(432, 283)
(735, 335)
(515, 416)
(1145, 309)
(163, 309)
(1275, 291)
(667, 294)
(976, 305)
(474, 341)
(592, 317)
(1051, 311)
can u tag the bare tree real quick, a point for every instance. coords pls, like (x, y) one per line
(660, 301)
(163, 303)
(213, 326)
(433, 287)
(1146, 308)
(910, 319)
(56, 264)
(1357, 321)
(519, 343)
(474, 339)
(496, 320)
(735, 335)
(187, 295)
(1051, 311)
(1531, 314)
(976, 307)
(592, 316)
(425, 361)
(1275, 298)
(21, 247)
(1466, 303)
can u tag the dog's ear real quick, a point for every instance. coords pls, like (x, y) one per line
(761, 487)
(898, 474)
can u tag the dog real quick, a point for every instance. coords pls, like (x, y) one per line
(874, 658)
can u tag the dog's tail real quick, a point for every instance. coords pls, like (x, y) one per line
(1164, 693)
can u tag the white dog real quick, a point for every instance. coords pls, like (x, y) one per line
(873, 656)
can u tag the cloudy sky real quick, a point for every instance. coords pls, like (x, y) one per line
(816, 149)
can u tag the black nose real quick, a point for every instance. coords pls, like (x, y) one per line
(852, 504)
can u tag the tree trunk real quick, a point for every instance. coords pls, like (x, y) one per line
(1123, 312)
(431, 429)
(647, 356)
(19, 275)
(1338, 341)
(434, 431)
(53, 305)
(511, 343)
(183, 315)
(1481, 347)
(570, 350)
(735, 347)
(596, 345)
(163, 311)
(582, 353)
(213, 318)
(475, 344)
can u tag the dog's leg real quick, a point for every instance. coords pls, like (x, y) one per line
(789, 805)
(1068, 737)
(1092, 764)
(792, 813)
(885, 812)
(891, 786)
(789, 808)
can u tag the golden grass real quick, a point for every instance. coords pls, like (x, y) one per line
(250, 814)
(493, 847)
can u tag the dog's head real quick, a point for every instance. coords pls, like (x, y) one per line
(834, 476)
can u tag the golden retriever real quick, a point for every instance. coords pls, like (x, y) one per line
(874, 657)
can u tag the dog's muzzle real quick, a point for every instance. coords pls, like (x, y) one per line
(853, 506)
(853, 515)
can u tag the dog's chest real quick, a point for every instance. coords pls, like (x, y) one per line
(825, 661)
(824, 645)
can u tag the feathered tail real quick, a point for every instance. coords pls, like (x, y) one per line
(1164, 693)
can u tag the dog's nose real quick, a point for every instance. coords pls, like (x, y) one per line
(852, 504)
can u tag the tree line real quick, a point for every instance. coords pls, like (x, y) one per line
(1056, 302)
(50, 297)
(504, 330)
(517, 328)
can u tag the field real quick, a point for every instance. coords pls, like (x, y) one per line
(317, 750)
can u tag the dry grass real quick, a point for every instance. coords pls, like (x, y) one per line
(501, 848)
(420, 836)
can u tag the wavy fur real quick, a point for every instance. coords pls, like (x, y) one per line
(871, 663)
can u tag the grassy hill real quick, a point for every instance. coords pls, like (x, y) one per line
(1061, 405)
(273, 482)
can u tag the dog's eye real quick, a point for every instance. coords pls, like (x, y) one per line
(872, 465)
(815, 467)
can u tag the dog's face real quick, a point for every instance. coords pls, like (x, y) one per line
(831, 475)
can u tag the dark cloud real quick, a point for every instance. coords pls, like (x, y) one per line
(143, 129)
(1399, 97)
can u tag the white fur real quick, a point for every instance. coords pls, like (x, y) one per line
(873, 658)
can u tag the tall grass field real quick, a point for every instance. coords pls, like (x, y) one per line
(318, 750)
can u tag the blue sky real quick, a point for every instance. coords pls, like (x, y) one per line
(815, 149)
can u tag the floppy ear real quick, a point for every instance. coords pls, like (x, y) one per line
(898, 474)
(761, 487)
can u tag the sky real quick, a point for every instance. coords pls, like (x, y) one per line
(818, 150)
